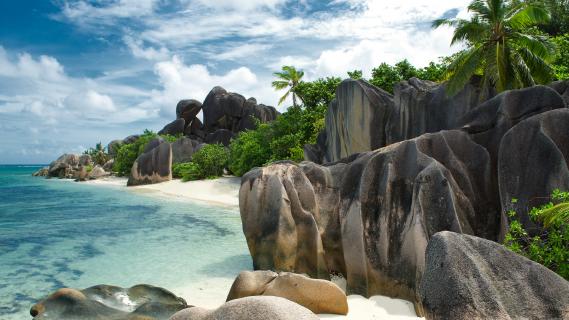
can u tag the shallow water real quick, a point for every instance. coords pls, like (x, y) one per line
(57, 234)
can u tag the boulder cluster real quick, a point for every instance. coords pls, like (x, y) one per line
(390, 172)
(259, 295)
(225, 114)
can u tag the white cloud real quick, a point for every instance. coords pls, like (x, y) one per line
(181, 81)
(138, 50)
(247, 50)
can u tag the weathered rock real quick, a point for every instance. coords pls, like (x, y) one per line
(85, 160)
(113, 147)
(319, 296)
(153, 144)
(562, 87)
(64, 166)
(195, 129)
(183, 149)
(131, 139)
(173, 128)
(250, 308)
(108, 166)
(371, 217)
(43, 172)
(356, 119)
(472, 278)
(424, 107)
(230, 111)
(220, 136)
(188, 110)
(141, 302)
(532, 162)
(97, 172)
(153, 166)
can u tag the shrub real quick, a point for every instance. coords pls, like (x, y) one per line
(551, 247)
(250, 149)
(98, 154)
(211, 160)
(187, 171)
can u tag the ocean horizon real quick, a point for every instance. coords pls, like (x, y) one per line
(59, 233)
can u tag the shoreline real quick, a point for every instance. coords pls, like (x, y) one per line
(211, 292)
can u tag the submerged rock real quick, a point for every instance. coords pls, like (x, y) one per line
(250, 308)
(103, 302)
(472, 278)
(319, 296)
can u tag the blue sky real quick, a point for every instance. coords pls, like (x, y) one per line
(76, 72)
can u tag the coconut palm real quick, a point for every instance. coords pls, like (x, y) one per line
(288, 78)
(501, 45)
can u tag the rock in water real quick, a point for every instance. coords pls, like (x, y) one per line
(153, 166)
(250, 308)
(63, 166)
(43, 172)
(173, 128)
(532, 162)
(356, 119)
(141, 302)
(472, 278)
(320, 296)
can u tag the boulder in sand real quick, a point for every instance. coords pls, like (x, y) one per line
(250, 308)
(320, 296)
(153, 166)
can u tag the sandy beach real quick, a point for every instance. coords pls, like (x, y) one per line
(212, 292)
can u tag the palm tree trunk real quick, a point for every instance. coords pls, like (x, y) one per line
(294, 99)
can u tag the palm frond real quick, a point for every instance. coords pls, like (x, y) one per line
(523, 72)
(556, 215)
(280, 84)
(473, 31)
(283, 98)
(540, 70)
(444, 22)
(462, 69)
(537, 45)
(528, 16)
(282, 75)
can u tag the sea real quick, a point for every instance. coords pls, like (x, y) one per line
(59, 233)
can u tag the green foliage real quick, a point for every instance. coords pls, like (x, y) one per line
(320, 92)
(250, 149)
(356, 74)
(88, 168)
(559, 10)
(211, 160)
(503, 46)
(98, 154)
(386, 76)
(187, 171)
(551, 247)
(127, 153)
(561, 63)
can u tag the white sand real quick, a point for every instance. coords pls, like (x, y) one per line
(221, 191)
(212, 292)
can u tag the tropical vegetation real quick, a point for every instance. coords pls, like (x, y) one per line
(503, 45)
(550, 247)
(98, 154)
(289, 78)
(209, 162)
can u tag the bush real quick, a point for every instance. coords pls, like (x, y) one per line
(551, 247)
(98, 154)
(250, 149)
(208, 163)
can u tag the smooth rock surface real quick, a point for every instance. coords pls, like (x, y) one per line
(319, 296)
(183, 149)
(188, 110)
(174, 128)
(250, 308)
(103, 302)
(532, 163)
(472, 278)
(153, 166)
(220, 136)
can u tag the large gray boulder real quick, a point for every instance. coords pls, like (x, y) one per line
(532, 162)
(371, 216)
(356, 119)
(188, 110)
(153, 166)
(103, 302)
(250, 308)
(231, 111)
(424, 107)
(183, 149)
(220, 136)
(562, 87)
(174, 128)
(64, 166)
(472, 278)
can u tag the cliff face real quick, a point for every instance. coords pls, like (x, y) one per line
(370, 215)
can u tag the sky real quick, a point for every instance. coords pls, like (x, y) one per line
(77, 72)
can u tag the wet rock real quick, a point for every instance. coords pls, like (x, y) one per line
(472, 278)
(103, 302)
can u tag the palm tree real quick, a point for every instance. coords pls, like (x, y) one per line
(502, 46)
(288, 78)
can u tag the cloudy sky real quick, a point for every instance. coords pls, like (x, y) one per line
(76, 72)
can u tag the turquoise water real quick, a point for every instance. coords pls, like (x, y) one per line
(57, 234)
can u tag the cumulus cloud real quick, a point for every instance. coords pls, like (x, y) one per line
(181, 81)
(150, 53)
